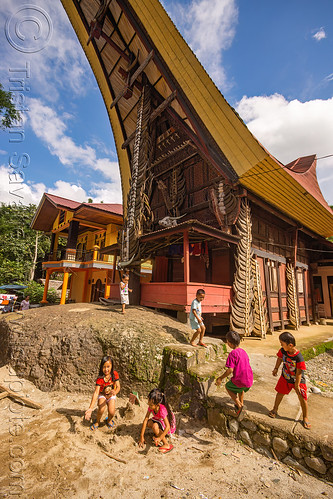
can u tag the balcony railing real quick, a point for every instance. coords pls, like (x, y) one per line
(74, 255)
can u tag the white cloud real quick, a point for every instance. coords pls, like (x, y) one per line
(291, 129)
(209, 28)
(13, 188)
(51, 129)
(63, 52)
(319, 35)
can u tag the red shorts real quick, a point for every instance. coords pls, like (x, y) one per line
(284, 387)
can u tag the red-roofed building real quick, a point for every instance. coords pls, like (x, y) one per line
(89, 228)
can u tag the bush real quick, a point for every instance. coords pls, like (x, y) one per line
(36, 291)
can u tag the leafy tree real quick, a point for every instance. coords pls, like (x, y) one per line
(20, 247)
(8, 112)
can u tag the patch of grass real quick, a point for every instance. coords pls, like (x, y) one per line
(312, 352)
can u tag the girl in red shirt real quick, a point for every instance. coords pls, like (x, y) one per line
(105, 394)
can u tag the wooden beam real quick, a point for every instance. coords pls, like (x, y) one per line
(268, 295)
(135, 75)
(159, 110)
(116, 47)
(18, 398)
(279, 295)
(306, 302)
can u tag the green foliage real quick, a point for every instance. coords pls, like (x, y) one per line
(312, 352)
(35, 291)
(18, 242)
(8, 113)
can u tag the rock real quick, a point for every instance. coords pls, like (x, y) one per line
(262, 439)
(315, 389)
(265, 428)
(327, 452)
(297, 452)
(330, 472)
(245, 437)
(289, 461)
(310, 446)
(263, 451)
(280, 445)
(317, 464)
(233, 426)
(56, 349)
(249, 425)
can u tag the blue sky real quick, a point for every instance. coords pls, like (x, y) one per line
(271, 60)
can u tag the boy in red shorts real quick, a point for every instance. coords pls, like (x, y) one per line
(292, 376)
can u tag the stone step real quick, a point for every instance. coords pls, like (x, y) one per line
(208, 371)
(183, 356)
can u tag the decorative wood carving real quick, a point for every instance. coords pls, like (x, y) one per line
(241, 318)
(292, 303)
(139, 213)
(225, 204)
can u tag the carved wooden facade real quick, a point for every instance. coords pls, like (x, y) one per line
(202, 197)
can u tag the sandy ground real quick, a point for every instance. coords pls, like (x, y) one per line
(51, 453)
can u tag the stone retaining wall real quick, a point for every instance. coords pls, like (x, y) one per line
(303, 453)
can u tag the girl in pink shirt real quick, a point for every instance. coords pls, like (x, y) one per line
(238, 364)
(160, 419)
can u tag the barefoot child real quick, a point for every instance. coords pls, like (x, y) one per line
(160, 419)
(107, 387)
(196, 319)
(124, 289)
(292, 376)
(238, 364)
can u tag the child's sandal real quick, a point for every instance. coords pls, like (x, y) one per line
(93, 427)
(306, 425)
(272, 414)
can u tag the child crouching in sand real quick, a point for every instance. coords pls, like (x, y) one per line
(238, 364)
(160, 419)
(105, 394)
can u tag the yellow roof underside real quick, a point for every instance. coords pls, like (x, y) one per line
(244, 152)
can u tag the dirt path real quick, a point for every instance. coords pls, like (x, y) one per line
(52, 453)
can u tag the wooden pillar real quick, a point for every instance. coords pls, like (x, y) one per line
(54, 245)
(108, 284)
(306, 302)
(46, 285)
(95, 248)
(73, 233)
(64, 288)
(280, 295)
(268, 295)
(186, 252)
(113, 278)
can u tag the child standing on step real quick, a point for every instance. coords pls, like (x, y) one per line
(160, 419)
(292, 376)
(124, 290)
(105, 394)
(196, 319)
(238, 364)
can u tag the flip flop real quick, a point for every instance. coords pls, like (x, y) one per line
(202, 344)
(239, 411)
(109, 425)
(306, 425)
(164, 450)
(272, 414)
(93, 427)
